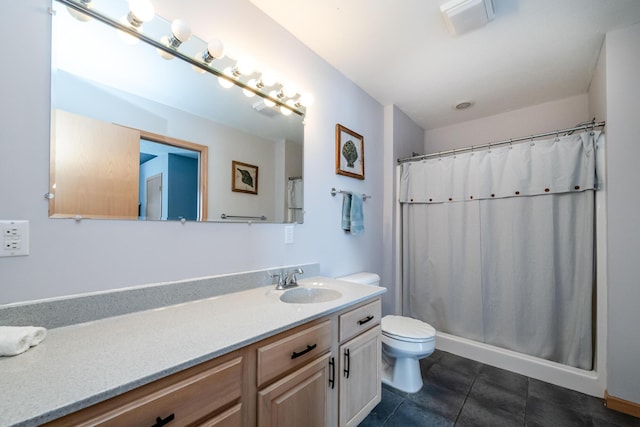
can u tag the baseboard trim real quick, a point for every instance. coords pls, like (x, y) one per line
(621, 405)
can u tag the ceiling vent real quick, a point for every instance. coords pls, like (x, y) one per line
(462, 16)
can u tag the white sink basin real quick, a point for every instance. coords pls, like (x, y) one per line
(309, 295)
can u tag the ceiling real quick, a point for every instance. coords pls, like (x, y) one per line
(400, 52)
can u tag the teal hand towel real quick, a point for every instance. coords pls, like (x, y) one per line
(357, 217)
(346, 211)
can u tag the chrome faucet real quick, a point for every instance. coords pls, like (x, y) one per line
(288, 280)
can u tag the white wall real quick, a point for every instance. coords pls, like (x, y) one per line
(622, 78)
(69, 257)
(402, 138)
(549, 116)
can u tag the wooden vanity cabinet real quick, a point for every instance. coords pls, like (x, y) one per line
(323, 373)
(360, 363)
(206, 394)
(293, 387)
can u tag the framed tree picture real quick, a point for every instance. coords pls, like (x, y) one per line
(349, 153)
(244, 177)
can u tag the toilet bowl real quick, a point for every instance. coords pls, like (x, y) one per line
(404, 342)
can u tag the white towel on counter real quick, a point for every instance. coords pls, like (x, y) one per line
(18, 339)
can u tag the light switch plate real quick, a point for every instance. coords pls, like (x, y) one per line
(14, 237)
(288, 234)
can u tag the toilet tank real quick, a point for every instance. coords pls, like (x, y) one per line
(364, 278)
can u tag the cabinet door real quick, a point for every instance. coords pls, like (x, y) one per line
(299, 399)
(360, 369)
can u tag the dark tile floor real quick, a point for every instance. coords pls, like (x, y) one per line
(463, 392)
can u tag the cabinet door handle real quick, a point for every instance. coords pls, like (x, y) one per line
(347, 363)
(303, 352)
(332, 379)
(160, 422)
(365, 320)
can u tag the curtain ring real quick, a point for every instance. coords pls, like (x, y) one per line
(454, 153)
(557, 136)
(511, 144)
(472, 150)
(488, 151)
(439, 155)
(532, 143)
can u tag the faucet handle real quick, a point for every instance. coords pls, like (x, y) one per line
(276, 279)
(290, 277)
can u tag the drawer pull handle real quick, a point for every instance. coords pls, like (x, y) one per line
(347, 363)
(332, 380)
(303, 352)
(160, 422)
(365, 320)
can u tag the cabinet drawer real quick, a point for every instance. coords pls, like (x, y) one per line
(230, 418)
(186, 398)
(292, 351)
(359, 320)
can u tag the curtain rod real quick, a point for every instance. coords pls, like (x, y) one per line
(590, 125)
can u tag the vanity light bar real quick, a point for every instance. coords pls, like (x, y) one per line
(203, 66)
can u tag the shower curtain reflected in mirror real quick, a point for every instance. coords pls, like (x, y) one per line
(498, 246)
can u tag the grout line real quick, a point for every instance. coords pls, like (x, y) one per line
(526, 399)
(394, 411)
(465, 398)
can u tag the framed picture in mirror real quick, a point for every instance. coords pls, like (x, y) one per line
(349, 153)
(244, 177)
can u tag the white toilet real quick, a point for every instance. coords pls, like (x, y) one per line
(404, 342)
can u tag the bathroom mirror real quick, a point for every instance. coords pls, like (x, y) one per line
(118, 91)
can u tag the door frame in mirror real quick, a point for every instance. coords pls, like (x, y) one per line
(203, 165)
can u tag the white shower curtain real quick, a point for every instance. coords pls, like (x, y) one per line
(498, 246)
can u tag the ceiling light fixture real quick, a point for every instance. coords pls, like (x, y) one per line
(463, 105)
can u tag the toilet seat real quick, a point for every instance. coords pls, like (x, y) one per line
(407, 329)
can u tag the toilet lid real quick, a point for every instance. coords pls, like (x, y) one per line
(406, 327)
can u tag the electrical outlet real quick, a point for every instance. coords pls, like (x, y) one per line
(15, 238)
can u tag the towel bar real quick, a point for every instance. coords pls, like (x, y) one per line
(335, 191)
(225, 216)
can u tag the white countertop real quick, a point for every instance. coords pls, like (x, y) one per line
(79, 365)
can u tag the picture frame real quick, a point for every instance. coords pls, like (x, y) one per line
(244, 177)
(349, 153)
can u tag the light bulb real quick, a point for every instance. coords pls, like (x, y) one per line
(140, 11)
(180, 33)
(215, 50)
(79, 15)
(124, 36)
(268, 78)
(268, 102)
(306, 99)
(165, 55)
(247, 92)
(225, 83)
(244, 66)
(289, 90)
(287, 111)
